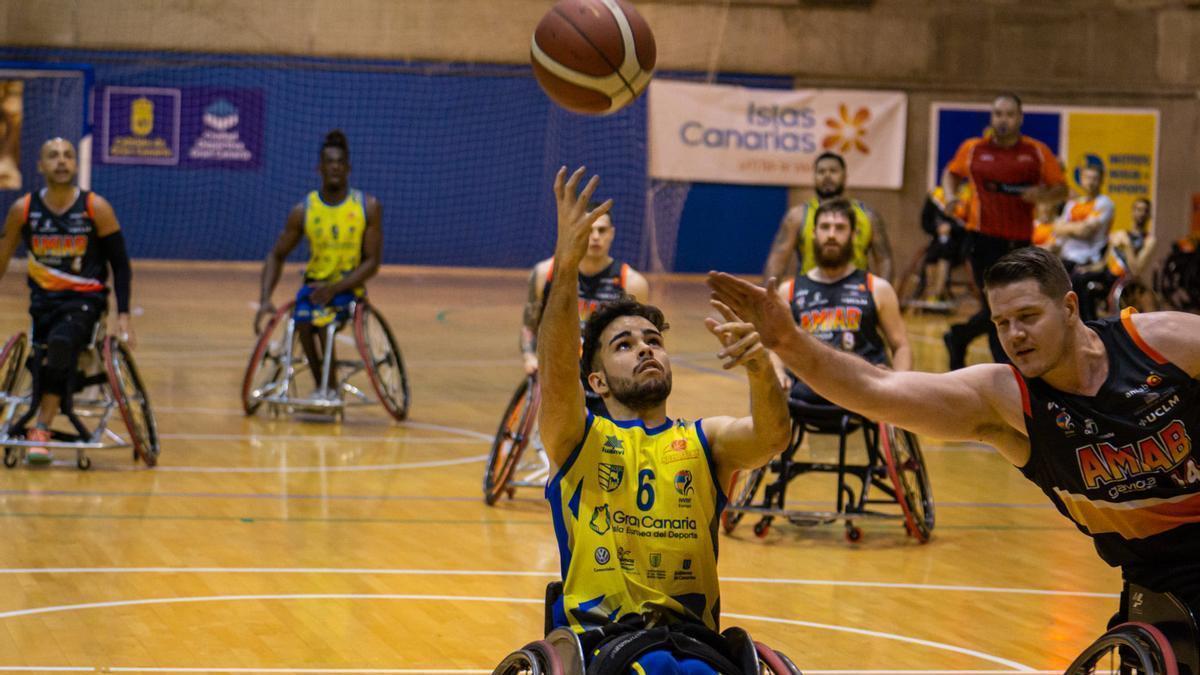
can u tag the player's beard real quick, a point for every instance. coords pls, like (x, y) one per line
(640, 395)
(835, 259)
(830, 193)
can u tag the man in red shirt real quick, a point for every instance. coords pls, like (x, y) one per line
(1009, 174)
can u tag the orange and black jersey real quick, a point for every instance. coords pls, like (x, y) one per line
(842, 314)
(65, 255)
(1120, 464)
(607, 285)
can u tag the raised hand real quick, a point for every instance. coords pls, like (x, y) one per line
(754, 304)
(574, 218)
(742, 344)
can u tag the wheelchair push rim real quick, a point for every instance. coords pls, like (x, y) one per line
(382, 360)
(12, 360)
(130, 394)
(741, 490)
(909, 477)
(252, 386)
(1132, 647)
(512, 437)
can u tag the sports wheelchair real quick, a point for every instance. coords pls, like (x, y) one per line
(894, 468)
(105, 382)
(1159, 636)
(562, 651)
(505, 471)
(279, 360)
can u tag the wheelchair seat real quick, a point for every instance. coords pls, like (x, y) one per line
(824, 417)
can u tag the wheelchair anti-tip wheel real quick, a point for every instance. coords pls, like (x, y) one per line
(513, 436)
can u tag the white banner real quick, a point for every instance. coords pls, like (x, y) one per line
(723, 134)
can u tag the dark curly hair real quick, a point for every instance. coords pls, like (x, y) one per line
(335, 139)
(606, 314)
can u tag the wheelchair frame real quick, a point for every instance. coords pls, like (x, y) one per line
(1159, 637)
(332, 396)
(115, 367)
(893, 456)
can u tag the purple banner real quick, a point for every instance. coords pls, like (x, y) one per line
(192, 127)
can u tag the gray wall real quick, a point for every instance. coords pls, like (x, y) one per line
(1098, 52)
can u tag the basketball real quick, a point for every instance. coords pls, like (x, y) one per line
(593, 56)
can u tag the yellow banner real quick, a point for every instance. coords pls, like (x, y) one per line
(1125, 144)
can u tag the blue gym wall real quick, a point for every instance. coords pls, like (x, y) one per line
(460, 155)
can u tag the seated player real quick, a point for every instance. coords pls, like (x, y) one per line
(844, 307)
(73, 238)
(601, 279)
(345, 237)
(1082, 235)
(945, 250)
(637, 495)
(1129, 252)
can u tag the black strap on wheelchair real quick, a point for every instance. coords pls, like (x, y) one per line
(615, 647)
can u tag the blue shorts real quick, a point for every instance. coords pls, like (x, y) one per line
(338, 308)
(662, 662)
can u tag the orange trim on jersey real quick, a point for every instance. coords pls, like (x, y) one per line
(550, 271)
(90, 211)
(790, 289)
(1136, 519)
(870, 282)
(28, 203)
(624, 273)
(1127, 322)
(1024, 391)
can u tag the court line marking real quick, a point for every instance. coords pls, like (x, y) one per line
(321, 469)
(1019, 667)
(360, 571)
(263, 438)
(426, 671)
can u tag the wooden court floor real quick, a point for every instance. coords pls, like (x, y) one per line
(263, 545)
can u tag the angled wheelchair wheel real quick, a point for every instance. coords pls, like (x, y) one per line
(741, 493)
(513, 436)
(266, 362)
(382, 360)
(774, 663)
(535, 658)
(1128, 648)
(12, 361)
(132, 400)
(906, 469)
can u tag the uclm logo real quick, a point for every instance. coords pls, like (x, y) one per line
(849, 131)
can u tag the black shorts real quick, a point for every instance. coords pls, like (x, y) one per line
(72, 317)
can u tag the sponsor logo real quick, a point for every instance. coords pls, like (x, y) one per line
(601, 522)
(655, 559)
(830, 319)
(613, 446)
(1159, 412)
(678, 451)
(655, 572)
(625, 558)
(609, 476)
(685, 571)
(849, 131)
(602, 556)
(1063, 420)
(647, 525)
(1101, 464)
(1090, 428)
(683, 483)
(1154, 379)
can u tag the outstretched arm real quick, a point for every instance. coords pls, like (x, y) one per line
(561, 417)
(982, 403)
(784, 246)
(747, 442)
(293, 231)
(368, 266)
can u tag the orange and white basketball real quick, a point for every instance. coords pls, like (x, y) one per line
(593, 56)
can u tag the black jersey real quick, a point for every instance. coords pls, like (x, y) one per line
(64, 249)
(607, 285)
(1120, 463)
(841, 314)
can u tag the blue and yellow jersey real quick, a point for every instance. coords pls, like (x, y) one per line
(335, 235)
(635, 513)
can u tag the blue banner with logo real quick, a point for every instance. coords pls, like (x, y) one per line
(193, 127)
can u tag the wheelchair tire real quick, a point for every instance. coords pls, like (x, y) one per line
(512, 437)
(741, 493)
(12, 361)
(535, 658)
(132, 400)
(382, 360)
(775, 663)
(1128, 648)
(906, 469)
(263, 362)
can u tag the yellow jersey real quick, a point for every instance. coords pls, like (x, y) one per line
(635, 513)
(335, 235)
(862, 235)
